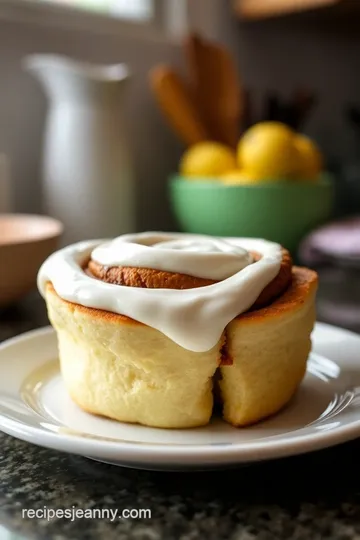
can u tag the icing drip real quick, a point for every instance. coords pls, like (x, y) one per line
(193, 318)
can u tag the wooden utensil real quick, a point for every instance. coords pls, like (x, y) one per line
(292, 112)
(299, 108)
(353, 115)
(177, 104)
(273, 111)
(217, 88)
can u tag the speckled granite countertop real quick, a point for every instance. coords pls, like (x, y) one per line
(312, 497)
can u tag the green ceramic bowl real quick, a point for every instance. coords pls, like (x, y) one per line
(283, 212)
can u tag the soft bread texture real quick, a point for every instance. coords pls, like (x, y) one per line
(117, 367)
(270, 348)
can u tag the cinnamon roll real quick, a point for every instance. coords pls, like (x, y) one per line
(151, 326)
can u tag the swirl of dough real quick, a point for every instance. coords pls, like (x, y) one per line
(199, 256)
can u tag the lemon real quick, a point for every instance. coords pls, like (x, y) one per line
(238, 176)
(310, 160)
(206, 159)
(267, 151)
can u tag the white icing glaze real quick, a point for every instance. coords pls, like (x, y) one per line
(198, 256)
(192, 318)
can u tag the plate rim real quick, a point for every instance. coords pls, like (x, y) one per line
(131, 452)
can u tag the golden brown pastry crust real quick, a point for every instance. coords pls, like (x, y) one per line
(303, 282)
(157, 279)
(145, 278)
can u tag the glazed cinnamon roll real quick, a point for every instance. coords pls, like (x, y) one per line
(150, 326)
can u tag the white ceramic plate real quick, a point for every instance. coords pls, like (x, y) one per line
(35, 407)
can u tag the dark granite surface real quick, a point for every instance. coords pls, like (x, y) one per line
(312, 497)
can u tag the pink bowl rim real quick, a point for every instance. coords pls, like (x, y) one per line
(54, 228)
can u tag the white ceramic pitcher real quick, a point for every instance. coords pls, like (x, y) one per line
(88, 179)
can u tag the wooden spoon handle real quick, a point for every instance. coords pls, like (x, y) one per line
(176, 103)
(217, 87)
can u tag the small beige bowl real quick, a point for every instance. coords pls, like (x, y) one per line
(25, 242)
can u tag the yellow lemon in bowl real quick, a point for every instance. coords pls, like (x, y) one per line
(239, 177)
(267, 151)
(207, 159)
(310, 159)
